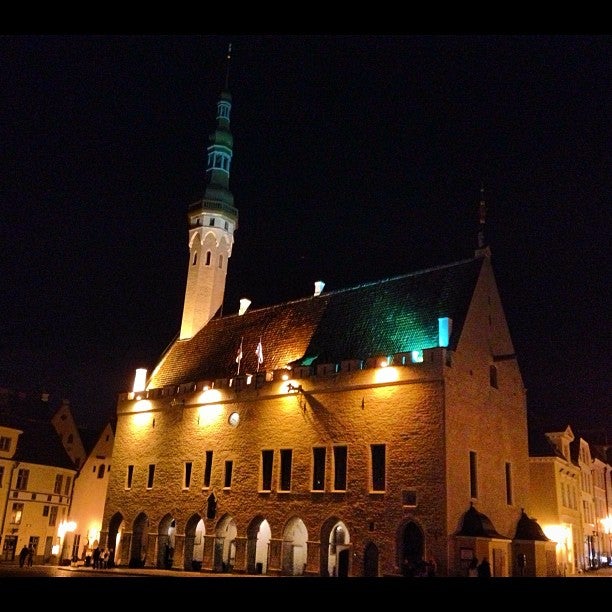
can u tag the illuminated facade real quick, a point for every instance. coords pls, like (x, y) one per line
(358, 432)
(36, 479)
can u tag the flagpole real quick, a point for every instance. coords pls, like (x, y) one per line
(239, 357)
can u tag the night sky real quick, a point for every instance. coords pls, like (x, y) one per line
(356, 158)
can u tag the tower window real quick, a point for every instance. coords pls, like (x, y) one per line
(493, 376)
(473, 475)
(378, 456)
(220, 262)
(212, 222)
(195, 259)
(208, 256)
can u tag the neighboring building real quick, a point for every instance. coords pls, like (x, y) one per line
(556, 495)
(602, 498)
(356, 432)
(87, 508)
(36, 478)
(67, 429)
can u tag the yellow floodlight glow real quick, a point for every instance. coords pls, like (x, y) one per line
(385, 374)
(210, 414)
(65, 527)
(292, 386)
(209, 396)
(561, 534)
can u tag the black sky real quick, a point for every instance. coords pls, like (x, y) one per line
(356, 158)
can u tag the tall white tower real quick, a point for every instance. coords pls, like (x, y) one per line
(212, 223)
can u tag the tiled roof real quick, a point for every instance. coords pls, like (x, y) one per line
(478, 525)
(540, 444)
(39, 443)
(529, 529)
(394, 315)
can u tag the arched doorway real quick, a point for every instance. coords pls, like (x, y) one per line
(225, 544)
(294, 552)
(258, 544)
(412, 549)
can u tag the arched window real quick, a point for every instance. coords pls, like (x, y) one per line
(195, 259)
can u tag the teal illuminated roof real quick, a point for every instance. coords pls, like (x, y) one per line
(393, 315)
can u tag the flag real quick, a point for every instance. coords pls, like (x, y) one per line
(239, 355)
(259, 352)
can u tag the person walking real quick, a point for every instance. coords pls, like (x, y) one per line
(30, 557)
(23, 555)
(473, 568)
(484, 569)
(96, 557)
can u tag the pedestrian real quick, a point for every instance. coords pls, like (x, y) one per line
(30, 557)
(473, 568)
(484, 569)
(432, 567)
(96, 557)
(23, 555)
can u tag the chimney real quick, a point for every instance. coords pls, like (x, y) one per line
(244, 304)
(318, 288)
(140, 380)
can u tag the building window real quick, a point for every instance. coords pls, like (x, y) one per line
(23, 476)
(151, 476)
(286, 459)
(207, 468)
(493, 376)
(220, 262)
(318, 468)
(509, 499)
(1, 475)
(53, 516)
(59, 479)
(194, 261)
(5, 443)
(45, 510)
(208, 257)
(17, 513)
(473, 475)
(67, 485)
(378, 458)
(187, 475)
(340, 455)
(226, 226)
(212, 222)
(267, 462)
(129, 476)
(227, 480)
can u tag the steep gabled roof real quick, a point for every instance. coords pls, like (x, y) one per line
(478, 525)
(40, 444)
(394, 315)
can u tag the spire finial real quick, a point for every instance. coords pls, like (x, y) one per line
(229, 56)
(482, 213)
